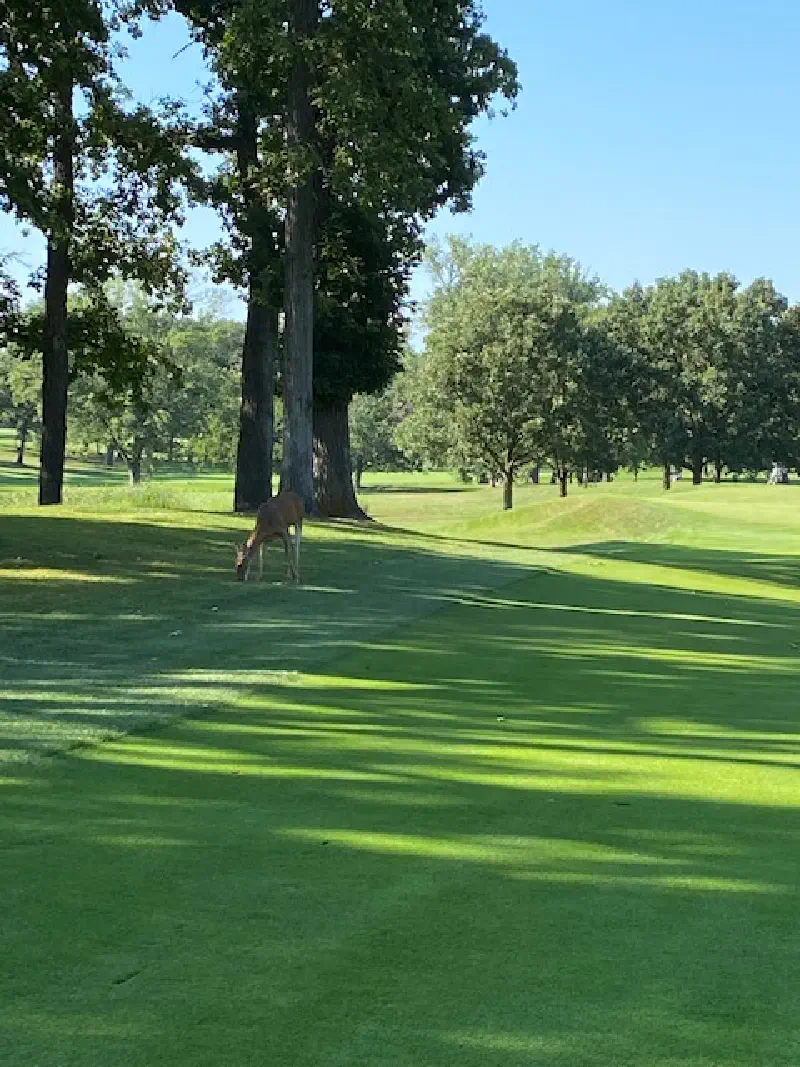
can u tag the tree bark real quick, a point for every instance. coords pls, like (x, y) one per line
(109, 460)
(55, 355)
(254, 452)
(508, 490)
(135, 467)
(359, 472)
(253, 482)
(333, 472)
(297, 469)
(697, 470)
(636, 473)
(535, 473)
(22, 439)
(563, 478)
(717, 470)
(667, 479)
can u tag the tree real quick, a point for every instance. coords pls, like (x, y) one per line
(364, 262)
(504, 352)
(185, 400)
(65, 129)
(329, 76)
(705, 379)
(374, 420)
(20, 396)
(244, 44)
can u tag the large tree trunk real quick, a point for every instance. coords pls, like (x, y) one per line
(253, 483)
(508, 490)
(667, 479)
(333, 473)
(254, 453)
(697, 470)
(55, 355)
(297, 469)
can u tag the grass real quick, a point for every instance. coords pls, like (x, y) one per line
(487, 789)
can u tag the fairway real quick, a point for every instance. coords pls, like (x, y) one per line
(486, 789)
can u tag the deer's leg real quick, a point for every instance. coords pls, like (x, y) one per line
(287, 548)
(298, 533)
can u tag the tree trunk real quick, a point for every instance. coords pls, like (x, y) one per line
(667, 480)
(563, 479)
(718, 470)
(55, 355)
(697, 470)
(254, 452)
(359, 470)
(333, 473)
(535, 473)
(253, 483)
(22, 439)
(109, 460)
(135, 467)
(297, 470)
(508, 490)
(170, 449)
(636, 473)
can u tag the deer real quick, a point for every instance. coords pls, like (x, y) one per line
(273, 520)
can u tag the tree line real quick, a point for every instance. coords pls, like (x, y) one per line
(333, 129)
(530, 361)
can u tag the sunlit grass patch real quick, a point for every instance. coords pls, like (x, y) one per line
(485, 790)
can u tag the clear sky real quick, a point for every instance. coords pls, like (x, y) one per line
(647, 138)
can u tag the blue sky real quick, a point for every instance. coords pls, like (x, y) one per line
(648, 137)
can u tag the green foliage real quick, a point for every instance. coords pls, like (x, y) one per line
(186, 403)
(364, 261)
(374, 421)
(713, 371)
(126, 161)
(20, 394)
(512, 362)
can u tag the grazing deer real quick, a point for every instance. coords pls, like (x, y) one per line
(273, 520)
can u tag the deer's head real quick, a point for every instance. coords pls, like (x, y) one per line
(242, 562)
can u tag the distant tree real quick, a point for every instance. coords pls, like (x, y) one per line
(20, 396)
(505, 353)
(426, 433)
(374, 420)
(706, 378)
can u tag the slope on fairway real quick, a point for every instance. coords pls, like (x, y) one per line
(554, 823)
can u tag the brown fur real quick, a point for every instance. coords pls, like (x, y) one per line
(273, 520)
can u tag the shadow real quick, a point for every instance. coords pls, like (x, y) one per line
(417, 490)
(760, 566)
(425, 809)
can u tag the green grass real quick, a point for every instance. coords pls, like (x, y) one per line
(486, 789)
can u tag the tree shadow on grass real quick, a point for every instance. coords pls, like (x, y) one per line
(417, 490)
(512, 835)
(779, 569)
